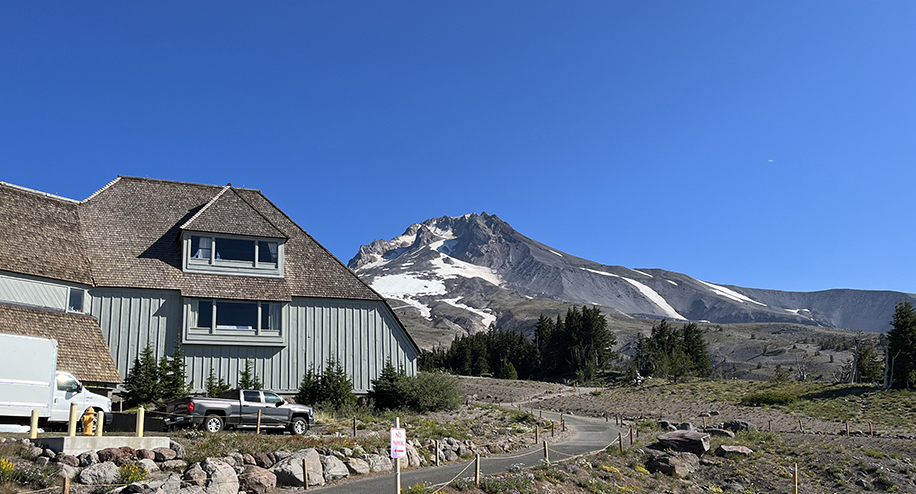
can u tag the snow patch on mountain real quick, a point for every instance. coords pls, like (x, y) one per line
(555, 252)
(647, 292)
(725, 292)
(640, 272)
(485, 315)
(673, 283)
(407, 288)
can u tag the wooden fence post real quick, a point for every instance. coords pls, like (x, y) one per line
(477, 471)
(305, 474)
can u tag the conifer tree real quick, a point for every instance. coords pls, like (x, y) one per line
(174, 383)
(901, 346)
(696, 350)
(388, 389)
(215, 388)
(142, 382)
(248, 379)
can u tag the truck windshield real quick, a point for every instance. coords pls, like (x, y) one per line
(66, 382)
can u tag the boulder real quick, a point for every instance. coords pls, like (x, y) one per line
(263, 460)
(145, 454)
(88, 458)
(168, 485)
(731, 451)
(687, 441)
(247, 459)
(666, 426)
(289, 470)
(739, 425)
(100, 473)
(164, 454)
(680, 464)
(719, 432)
(67, 471)
(221, 477)
(42, 461)
(686, 426)
(358, 467)
(177, 448)
(148, 465)
(255, 479)
(195, 476)
(68, 460)
(120, 456)
(379, 463)
(194, 489)
(333, 468)
(173, 465)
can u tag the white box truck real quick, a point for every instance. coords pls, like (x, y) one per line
(30, 380)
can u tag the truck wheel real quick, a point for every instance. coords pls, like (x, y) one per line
(298, 426)
(212, 423)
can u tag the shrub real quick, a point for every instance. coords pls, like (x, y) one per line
(388, 389)
(40, 477)
(128, 474)
(432, 391)
(769, 398)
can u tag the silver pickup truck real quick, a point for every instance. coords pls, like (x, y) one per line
(239, 409)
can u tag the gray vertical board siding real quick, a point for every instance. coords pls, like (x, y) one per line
(33, 292)
(358, 333)
(132, 319)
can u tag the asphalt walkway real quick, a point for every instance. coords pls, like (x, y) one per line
(588, 435)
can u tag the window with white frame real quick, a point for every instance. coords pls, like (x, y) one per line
(231, 322)
(228, 254)
(75, 300)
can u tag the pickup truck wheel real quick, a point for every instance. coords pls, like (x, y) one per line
(298, 426)
(212, 423)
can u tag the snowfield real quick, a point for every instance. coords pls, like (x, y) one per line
(725, 292)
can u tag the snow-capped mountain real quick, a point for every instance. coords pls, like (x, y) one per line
(467, 272)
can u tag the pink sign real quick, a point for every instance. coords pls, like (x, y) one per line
(398, 443)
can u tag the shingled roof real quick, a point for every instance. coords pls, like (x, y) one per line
(81, 349)
(41, 235)
(133, 229)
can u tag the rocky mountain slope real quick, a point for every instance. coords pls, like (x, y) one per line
(464, 273)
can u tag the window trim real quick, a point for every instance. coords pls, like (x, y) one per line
(228, 266)
(83, 300)
(225, 336)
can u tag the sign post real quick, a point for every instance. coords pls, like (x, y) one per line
(398, 449)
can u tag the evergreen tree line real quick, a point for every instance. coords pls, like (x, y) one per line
(671, 353)
(151, 381)
(578, 344)
(900, 360)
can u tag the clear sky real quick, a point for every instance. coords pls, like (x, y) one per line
(766, 144)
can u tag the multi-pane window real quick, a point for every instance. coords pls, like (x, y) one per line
(220, 254)
(254, 317)
(75, 300)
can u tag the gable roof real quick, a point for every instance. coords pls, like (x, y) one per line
(41, 235)
(133, 228)
(81, 349)
(228, 213)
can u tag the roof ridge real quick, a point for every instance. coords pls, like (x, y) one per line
(198, 213)
(183, 182)
(240, 196)
(103, 189)
(38, 192)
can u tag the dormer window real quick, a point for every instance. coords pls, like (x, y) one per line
(235, 255)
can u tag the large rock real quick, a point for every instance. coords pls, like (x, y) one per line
(67, 471)
(679, 464)
(195, 476)
(289, 470)
(719, 432)
(687, 441)
(173, 465)
(221, 477)
(177, 448)
(333, 468)
(256, 479)
(358, 467)
(262, 460)
(164, 454)
(116, 455)
(100, 473)
(731, 451)
(413, 456)
(168, 485)
(739, 425)
(88, 458)
(148, 465)
(379, 463)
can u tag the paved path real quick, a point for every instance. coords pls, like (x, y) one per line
(589, 434)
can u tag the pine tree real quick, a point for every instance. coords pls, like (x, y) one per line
(870, 365)
(509, 372)
(142, 382)
(901, 346)
(248, 379)
(309, 387)
(696, 350)
(174, 383)
(215, 388)
(387, 391)
(336, 389)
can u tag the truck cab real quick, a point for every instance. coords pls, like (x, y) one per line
(69, 390)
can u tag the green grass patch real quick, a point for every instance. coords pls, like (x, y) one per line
(769, 398)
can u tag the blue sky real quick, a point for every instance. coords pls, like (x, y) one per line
(765, 144)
